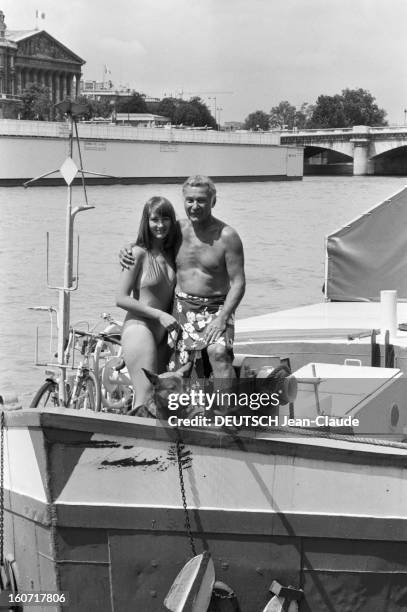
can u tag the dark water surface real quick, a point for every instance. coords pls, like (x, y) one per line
(282, 226)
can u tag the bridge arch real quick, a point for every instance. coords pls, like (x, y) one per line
(374, 150)
(323, 160)
(392, 161)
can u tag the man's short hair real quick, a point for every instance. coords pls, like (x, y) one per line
(199, 180)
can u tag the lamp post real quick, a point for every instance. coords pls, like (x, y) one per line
(214, 99)
(219, 109)
(405, 116)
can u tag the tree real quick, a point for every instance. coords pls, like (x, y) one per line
(136, 103)
(283, 115)
(186, 114)
(167, 108)
(259, 120)
(351, 107)
(37, 102)
(361, 109)
(101, 108)
(193, 112)
(88, 102)
(328, 112)
(96, 108)
(303, 115)
(205, 116)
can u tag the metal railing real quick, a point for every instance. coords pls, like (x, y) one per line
(358, 129)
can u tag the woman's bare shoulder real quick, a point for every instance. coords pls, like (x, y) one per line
(138, 252)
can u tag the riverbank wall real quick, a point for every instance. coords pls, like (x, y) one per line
(144, 155)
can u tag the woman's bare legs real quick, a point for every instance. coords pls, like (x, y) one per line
(139, 351)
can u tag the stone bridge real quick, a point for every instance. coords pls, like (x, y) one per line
(373, 150)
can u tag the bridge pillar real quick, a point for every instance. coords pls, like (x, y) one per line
(361, 164)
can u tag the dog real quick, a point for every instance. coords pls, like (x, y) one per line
(279, 382)
(164, 385)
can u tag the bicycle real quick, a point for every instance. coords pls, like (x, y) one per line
(115, 385)
(83, 389)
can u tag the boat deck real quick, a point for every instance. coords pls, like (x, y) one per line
(335, 321)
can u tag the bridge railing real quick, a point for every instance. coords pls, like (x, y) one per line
(356, 130)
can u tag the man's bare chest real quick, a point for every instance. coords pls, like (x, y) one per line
(198, 253)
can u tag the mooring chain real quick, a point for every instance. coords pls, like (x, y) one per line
(180, 448)
(2, 425)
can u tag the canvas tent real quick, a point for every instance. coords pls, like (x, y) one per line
(369, 254)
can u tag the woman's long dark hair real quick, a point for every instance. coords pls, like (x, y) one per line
(163, 208)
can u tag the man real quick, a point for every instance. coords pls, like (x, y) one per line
(210, 280)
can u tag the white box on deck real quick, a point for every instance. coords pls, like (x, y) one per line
(375, 396)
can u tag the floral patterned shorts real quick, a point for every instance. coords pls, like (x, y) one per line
(194, 313)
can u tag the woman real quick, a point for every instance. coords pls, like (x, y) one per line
(146, 293)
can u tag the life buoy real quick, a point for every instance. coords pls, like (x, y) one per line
(223, 599)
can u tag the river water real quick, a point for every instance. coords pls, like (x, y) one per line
(282, 225)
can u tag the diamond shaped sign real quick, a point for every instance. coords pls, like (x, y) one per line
(68, 170)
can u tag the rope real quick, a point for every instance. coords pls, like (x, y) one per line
(337, 436)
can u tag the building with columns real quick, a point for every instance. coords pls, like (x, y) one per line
(34, 56)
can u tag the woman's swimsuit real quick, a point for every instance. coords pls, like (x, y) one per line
(158, 289)
(155, 276)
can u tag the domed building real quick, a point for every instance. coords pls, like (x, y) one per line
(34, 56)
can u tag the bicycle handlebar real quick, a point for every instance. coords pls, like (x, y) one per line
(42, 308)
(98, 336)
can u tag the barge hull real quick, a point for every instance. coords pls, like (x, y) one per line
(97, 507)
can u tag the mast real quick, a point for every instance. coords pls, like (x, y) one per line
(69, 171)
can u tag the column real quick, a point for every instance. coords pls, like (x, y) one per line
(61, 86)
(55, 78)
(58, 87)
(78, 80)
(360, 156)
(32, 76)
(69, 81)
(64, 86)
(50, 85)
(3, 70)
(19, 74)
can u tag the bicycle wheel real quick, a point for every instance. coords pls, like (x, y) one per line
(87, 394)
(46, 396)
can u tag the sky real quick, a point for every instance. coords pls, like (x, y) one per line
(261, 51)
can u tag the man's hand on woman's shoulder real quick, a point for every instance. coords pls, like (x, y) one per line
(126, 257)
